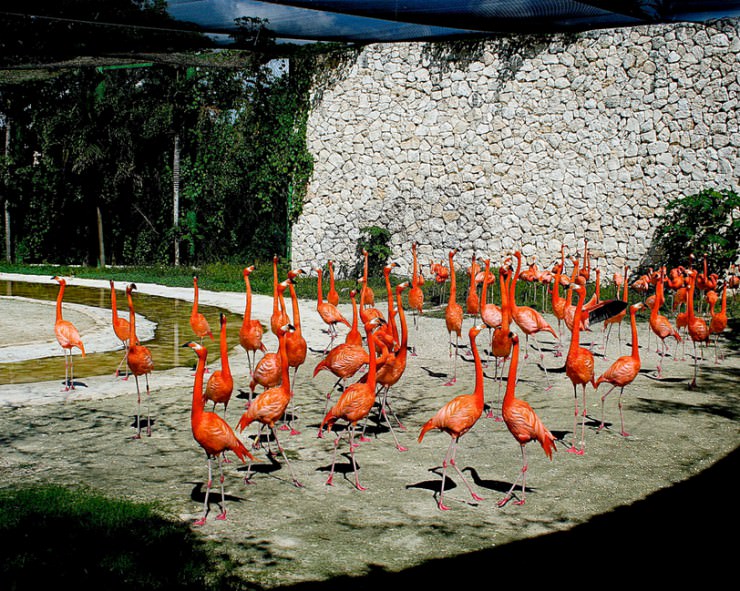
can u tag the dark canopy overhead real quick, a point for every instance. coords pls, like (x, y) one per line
(399, 20)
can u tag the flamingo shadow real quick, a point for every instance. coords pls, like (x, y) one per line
(198, 495)
(496, 485)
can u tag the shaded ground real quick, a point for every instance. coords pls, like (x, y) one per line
(664, 490)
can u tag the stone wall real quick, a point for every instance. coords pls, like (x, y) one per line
(522, 143)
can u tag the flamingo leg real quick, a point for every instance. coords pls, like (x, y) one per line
(138, 409)
(221, 516)
(148, 408)
(523, 477)
(330, 480)
(202, 520)
(352, 456)
(287, 462)
(384, 414)
(603, 400)
(621, 414)
(448, 455)
(462, 477)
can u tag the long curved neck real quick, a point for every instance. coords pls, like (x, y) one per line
(415, 272)
(195, 297)
(224, 348)
(113, 305)
(633, 323)
(478, 392)
(484, 289)
(248, 304)
(60, 295)
(690, 297)
(391, 309)
(331, 277)
(320, 290)
(196, 408)
(453, 283)
(371, 372)
(505, 309)
(296, 311)
(512, 285)
(404, 327)
(575, 337)
(284, 369)
(724, 299)
(131, 321)
(511, 378)
(354, 315)
(556, 289)
(626, 283)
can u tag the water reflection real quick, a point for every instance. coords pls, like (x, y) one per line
(173, 330)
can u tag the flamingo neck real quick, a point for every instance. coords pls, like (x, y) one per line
(296, 311)
(284, 369)
(371, 372)
(511, 378)
(195, 297)
(512, 286)
(633, 323)
(576, 336)
(404, 327)
(320, 289)
(225, 369)
(60, 295)
(196, 408)
(248, 305)
(113, 305)
(131, 321)
(478, 392)
(453, 282)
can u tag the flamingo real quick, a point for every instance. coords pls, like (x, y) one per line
(120, 327)
(457, 417)
(696, 325)
(332, 296)
(329, 313)
(139, 360)
(221, 383)
(367, 295)
(617, 318)
(501, 342)
(354, 404)
(579, 367)
(659, 324)
(212, 433)
(623, 371)
(523, 423)
(472, 301)
(718, 322)
(67, 337)
(529, 320)
(251, 331)
(268, 371)
(353, 336)
(279, 316)
(453, 317)
(198, 322)
(416, 295)
(269, 407)
(295, 345)
(490, 313)
(559, 303)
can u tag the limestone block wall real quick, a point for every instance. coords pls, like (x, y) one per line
(522, 143)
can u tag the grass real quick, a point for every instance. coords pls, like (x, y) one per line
(78, 538)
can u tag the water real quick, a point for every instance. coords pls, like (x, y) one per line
(172, 317)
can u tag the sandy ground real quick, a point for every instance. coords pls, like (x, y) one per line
(606, 515)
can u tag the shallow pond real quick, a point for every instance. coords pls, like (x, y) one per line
(170, 315)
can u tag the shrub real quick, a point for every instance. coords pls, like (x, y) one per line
(375, 240)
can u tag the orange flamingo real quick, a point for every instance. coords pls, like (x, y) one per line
(529, 320)
(295, 346)
(221, 383)
(490, 313)
(453, 317)
(501, 343)
(279, 316)
(67, 337)
(251, 331)
(367, 295)
(579, 367)
(457, 417)
(268, 371)
(696, 325)
(354, 405)
(120, 327)
(269, 407)
(139, 360)
(212, 433)
(416, 295)
(718, 322)
(198, 322)
(329, 313)
(659, 324)
(524, 424)
(353, 336)
(559, 303)
(332, 296)
(472, 301)
(623, 371)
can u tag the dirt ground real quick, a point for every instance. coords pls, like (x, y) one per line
(628, 507)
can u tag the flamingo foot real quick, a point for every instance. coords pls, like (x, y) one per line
(199, 522)
(320, 434)
(519, 502)
(442, 506)
(489, 414)
(402, 448)
(574, 450)
(137, 436)
(548, 388)
(330, 480)
(503, 501)
(601, 427)
(498, 419)
(558, 354)
(360, 487)
(221, 516)
(284, 427)
(294, 431)
(625, 434)
(451, 382)
(364, 439)
(297, 484)
(477, 497)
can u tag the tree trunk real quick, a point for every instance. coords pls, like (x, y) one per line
(5, 197)
(101, 242)
(176, 197)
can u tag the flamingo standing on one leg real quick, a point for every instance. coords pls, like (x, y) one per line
(198, 322)
(457, 417)
(659, 324)
(139, 360)
(251, 331)
(579, 367)
(221, 383)
(212, 433)
(354, 405)
(623, 371)
(453, 317)
(120, 327)
(67, 337)
(524, 424)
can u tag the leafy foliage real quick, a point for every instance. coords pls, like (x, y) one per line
(375, 240)
(707, 222)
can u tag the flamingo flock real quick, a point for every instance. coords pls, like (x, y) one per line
(370, 362)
